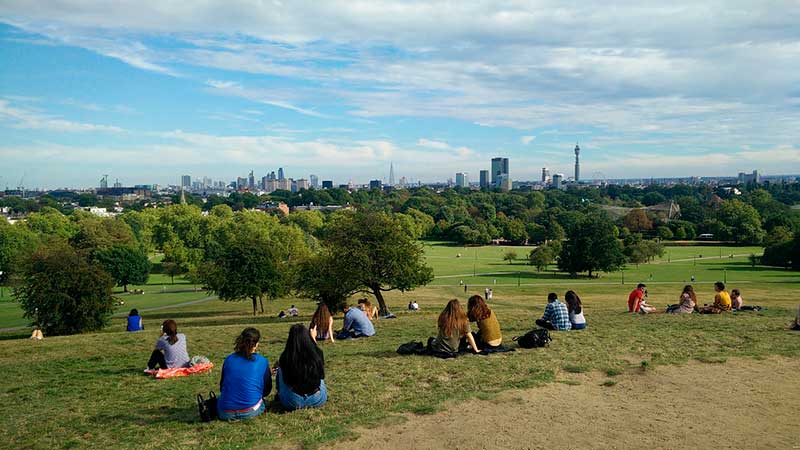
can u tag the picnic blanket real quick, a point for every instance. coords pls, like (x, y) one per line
(160, 374)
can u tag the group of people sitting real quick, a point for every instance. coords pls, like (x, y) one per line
(563, 317)
(637, 301)
(454, 332)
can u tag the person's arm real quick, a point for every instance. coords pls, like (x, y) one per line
(141, 326)
(313, 332)
(348, 321)
(267, 381)
(222, 377)
(472, 343)
(330, 330)
(548, 312)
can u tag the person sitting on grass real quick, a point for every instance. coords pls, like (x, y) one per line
(370, 310)
(321, 327)
(556, 316)
(796, 324)
(356, 324)
(453, 325)
(575, 309)
(37, 334)
(170, 348)
(293, 311)
(736, 299)
(246, 379)
(300, 375)
(688, 302)
(414, 306)
(636, 297)
(134, 321)
(488, 334)
(722, 301)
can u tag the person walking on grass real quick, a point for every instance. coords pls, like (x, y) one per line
(356, 324)
(246, 379)
(453, 325)
(575, 309)
(321, 327)
(688, 302)
(300, 375)
(556, 316)
(170, 348)
(488, 334)
(722, 301)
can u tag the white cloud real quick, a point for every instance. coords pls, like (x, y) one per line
(19, 117)
(526, 140)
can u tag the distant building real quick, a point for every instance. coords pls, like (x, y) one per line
(545, 175)
(484, 179)
(577, 163)
(314, 181)
(186, 182)
(302, 184)
(558, 180)
(283, 184)
(391, 174)
(499, 171)
(505, 183)
(375, 184)
(264, 182)
(462, 180)
(327, 184)
(251, 181)
(280, 173)
(745, 178)
(274, 206)
(241, 183)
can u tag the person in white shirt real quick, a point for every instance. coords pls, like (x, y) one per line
(575, 309)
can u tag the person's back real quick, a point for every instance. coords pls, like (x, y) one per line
(243, 381)
(175, 354)
(134, 323)
(489, 330)
(634, 299)
(559, 315)
(301, 372)
(357, 322)
(722, 300)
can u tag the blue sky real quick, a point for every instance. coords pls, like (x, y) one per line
(146, 91)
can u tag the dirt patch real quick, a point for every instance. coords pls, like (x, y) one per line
(738, 404)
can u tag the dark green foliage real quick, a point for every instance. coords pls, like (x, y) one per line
(62, 293)
(126, 265)
(592, 245)
(783, 254)
(15, 241)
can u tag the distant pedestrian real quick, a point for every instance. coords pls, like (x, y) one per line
(465, 288)
(491, 294)
(293, 311)
(692, 278)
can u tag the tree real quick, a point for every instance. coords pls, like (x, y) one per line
(742, 220)
(653, 198)
(62, 293)
(321, 278)
(15, 241)
(637, 221)
(664, 232)
(510, 256)
(592, 245)
(541, 257)
(96, 234)
(374, 249)
(126, 265)
(515, 232)
(783, 254)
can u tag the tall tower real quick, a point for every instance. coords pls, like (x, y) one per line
(391, 174)
(577, 163)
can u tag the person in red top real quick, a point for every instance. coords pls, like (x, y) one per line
(635, 297)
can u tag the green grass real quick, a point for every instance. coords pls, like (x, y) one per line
(88, 390)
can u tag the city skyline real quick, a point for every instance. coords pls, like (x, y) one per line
(146, 92)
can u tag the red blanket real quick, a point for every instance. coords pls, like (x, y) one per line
(179, 371)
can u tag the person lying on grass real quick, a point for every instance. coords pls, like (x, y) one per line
(453, 325)
(356, 324)
(321, 327)
(722, 301)
(300, 375)
(170, 348)
(246, 379)
(556, 316)
(575, 309)
(688, 302)
(488, 334)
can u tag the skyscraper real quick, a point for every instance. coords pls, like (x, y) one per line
(391, 174)
(557, 178)
(577, 163)
(545, 175)
(462, 179)
(314, 181)
(375, 184)
(484, 179)
(251, 181)
(186, 181)
(280, 173)
(327, 184)
(499, 171)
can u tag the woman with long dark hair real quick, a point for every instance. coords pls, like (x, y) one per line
(134, 321)
(246, 379)
(453, 325)
(488, 334)
(575, 309)
(688, 302)
(321, 327)
(170, 348)
(301, 372)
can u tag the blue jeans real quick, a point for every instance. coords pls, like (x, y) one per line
(290, 400)
(241, 415)
(345, 334)
(578, 326)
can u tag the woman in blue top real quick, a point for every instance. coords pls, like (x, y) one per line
(301, 372)
(134, 321)
(246, 379)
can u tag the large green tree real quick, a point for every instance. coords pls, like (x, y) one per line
(592, 245)
(126, 265)
(62, 293)
(743, 223)
(373, 248)
(15, 242)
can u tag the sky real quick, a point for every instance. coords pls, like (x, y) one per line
(148, 90)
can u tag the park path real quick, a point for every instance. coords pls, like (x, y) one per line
(123, 314)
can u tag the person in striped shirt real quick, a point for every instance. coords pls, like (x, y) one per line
(556, 316)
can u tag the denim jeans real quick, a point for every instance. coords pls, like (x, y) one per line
(241, 415)
(579, 326)
(290, 400)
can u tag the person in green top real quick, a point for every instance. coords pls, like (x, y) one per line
(488, 334)
(453, 325)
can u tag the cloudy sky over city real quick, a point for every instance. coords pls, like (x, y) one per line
(148, 90)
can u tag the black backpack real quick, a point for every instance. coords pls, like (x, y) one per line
(538, 337)
(207, 408)
(411, 348)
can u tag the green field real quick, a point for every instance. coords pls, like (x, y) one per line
(88, 390)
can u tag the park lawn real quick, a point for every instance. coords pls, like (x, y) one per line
(88, 390)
